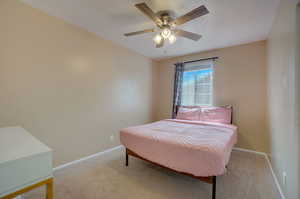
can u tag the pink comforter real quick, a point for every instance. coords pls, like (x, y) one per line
(199, 148)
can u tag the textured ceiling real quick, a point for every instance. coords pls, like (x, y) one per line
(230, 22)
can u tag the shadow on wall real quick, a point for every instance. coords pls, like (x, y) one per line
(297, 79)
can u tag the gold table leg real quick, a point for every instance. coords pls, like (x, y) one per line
(49, 189)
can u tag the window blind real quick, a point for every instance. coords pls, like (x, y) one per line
(197, 84)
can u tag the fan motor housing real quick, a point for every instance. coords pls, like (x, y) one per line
(165, 16)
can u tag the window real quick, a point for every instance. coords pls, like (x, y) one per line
(197, 84)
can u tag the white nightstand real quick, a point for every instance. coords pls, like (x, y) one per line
(25, 163)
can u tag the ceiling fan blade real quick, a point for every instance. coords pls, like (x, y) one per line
(148, 12)
(139, 32)
(197, 12)
(161, 44)
(186, 34)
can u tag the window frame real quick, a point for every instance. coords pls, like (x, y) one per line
(211, 66)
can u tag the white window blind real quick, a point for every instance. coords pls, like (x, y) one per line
(197, 85)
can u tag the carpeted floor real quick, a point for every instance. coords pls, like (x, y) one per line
(106, 177)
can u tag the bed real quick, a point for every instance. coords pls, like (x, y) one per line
(200, 149)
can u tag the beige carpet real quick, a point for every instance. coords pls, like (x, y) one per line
(106, 177)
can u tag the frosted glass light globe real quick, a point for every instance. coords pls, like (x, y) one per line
(157, 39)
(172, 39)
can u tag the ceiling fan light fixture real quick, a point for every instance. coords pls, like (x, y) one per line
(166, 33)
(158, 39)
(172, 38)
(166, 24)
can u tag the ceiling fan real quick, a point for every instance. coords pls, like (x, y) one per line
(167, 25)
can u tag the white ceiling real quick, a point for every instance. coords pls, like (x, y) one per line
(230, 22)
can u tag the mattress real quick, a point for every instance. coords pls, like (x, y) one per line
(199, 148)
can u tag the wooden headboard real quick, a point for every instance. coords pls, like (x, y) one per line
(231, 107)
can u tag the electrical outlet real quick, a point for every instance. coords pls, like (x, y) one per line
(112, 137)
(284, 178)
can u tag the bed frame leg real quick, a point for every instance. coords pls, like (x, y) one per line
(126, 164)
(214, 187)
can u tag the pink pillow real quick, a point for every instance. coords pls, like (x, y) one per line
(216, 114)
(188, 113)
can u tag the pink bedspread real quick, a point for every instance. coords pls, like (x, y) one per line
(199, 148)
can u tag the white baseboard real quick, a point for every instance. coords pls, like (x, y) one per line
(249, 151)
(275, 178)
(87, 157)
(270, 166)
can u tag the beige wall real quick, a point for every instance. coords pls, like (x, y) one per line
(240, 80)
(283, 85)
(69, 88)
(74, 90)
